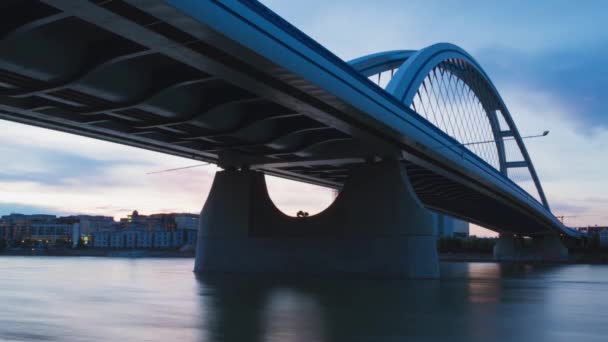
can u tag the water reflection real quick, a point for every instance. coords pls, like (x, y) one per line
(297, 309)
(472, 302)
(101, 299)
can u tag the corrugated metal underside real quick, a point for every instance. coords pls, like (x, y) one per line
(60, 71)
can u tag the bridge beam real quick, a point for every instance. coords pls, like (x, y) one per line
(375, 226)
(543, 248)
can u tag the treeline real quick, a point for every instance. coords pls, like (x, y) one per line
(470, 244)
(2, 245)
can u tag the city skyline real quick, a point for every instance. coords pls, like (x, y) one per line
(52, 171)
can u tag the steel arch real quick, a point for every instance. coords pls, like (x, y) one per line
(380, 62)
(414, 68)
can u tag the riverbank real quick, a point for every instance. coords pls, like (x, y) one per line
(594, 257)
(466, 257)
(102, 252)
(575, 258)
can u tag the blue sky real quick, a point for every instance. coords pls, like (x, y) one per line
(533, 44)
(545, 57)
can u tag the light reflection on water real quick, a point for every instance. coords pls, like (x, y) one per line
(114, 299)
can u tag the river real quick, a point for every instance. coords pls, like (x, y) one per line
(120, 299)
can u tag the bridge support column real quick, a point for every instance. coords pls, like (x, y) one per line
(542, 248)
(549, 248)
(375, 226)
(507, 248)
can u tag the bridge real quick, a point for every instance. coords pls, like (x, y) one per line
(402, 134)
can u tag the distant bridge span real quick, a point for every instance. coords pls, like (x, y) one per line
(232, 83)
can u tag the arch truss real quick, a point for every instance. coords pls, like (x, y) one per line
(447, 87)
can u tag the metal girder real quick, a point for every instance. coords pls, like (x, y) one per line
(380, 62)
(514, 164)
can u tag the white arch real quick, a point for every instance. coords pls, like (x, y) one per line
(414, 68)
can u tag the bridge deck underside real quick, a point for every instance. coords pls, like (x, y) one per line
(444, 195)
(60, 71)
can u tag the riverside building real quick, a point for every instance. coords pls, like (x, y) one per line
(173, 230)
(159, 231)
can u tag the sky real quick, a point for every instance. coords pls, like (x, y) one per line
(546, 58)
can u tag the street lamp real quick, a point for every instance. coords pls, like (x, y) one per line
(178, 168)
(543, 134)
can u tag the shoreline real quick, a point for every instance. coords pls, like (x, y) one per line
(574, 258)
(103, 252)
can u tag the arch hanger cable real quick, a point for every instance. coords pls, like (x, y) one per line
(447, 87)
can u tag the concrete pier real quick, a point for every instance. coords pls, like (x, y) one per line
(375, 226)
(543, 248)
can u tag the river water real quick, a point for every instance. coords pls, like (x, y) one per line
(119, 299)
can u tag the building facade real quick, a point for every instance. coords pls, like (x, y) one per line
(448, 226)
(160, 231)
(172, 230)
(52, 231)
(598, 235)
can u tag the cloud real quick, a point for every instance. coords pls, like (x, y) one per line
(351, 28)
(73, 174)
(291, 196)
(54, 167)
(570, 165)
(7, 208)
(575, 79)
(68, 174)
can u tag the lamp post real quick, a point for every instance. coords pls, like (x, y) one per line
(178, 168)
(543, 134)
